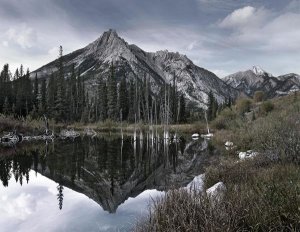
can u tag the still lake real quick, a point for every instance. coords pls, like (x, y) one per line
(91, 184)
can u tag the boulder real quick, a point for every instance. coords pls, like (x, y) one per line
(69, 134)
(228, 145)
(216, 192)
(196, 184)
(247, 154)
(90, 132)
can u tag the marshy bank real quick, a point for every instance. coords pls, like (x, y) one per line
(30, 126)
(263, 193)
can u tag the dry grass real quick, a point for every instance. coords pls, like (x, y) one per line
(260, 197)
(110, 126)
(180, 210)
(263, 194)
(22, 125)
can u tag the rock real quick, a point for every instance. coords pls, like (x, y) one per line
(90, 132)
(228, 145)
(196, 184)
(217, 191)
(248, 154)
(195, 135)
(69, 134)
(207, 136)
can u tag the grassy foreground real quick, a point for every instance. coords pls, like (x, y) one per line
(263, 194)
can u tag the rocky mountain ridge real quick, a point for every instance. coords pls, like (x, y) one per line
(256, 79)
(131, 62)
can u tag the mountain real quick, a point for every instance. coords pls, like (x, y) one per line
(132, 62)
(289, 83)
(256, 79)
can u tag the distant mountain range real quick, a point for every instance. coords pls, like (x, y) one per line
(256, 79)
(131, 62)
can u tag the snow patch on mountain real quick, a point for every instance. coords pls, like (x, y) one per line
(249, 81)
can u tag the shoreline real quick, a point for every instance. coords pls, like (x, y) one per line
(30, 126)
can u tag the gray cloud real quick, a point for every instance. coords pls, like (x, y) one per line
(222, 36)
(24, 36)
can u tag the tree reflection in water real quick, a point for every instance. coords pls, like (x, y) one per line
(106, 169)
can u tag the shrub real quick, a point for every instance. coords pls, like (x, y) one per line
(259, 96)
(266, 107)
(223, 120)
(243, 105)
(219, 124)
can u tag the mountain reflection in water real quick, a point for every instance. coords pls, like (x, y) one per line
(108, 170)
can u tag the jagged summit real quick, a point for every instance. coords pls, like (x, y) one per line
(257, 79)
(257, 70)
(108, 47)
(132, 62)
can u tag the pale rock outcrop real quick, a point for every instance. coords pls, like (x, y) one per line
(247, 154)
(216, 192)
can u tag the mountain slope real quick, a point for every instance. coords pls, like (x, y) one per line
(131, 62)
(249, 81)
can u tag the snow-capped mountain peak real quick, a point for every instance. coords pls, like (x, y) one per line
(257, 79)
(258, 70)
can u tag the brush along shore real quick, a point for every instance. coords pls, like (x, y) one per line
(262, 192)
(29, 126)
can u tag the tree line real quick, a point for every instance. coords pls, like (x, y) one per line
(214, 108)
(65, 98)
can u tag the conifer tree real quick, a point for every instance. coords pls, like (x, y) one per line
(182, 116)
(174, 100)
(215, 108)
(212, 106)
(28, 93)
(51, 95)
(72, 94)
(43, 101)
(16, 75)
(21, 73)
(123, 99)
(112, 112)
(81, 96)
(60, 196)
(61, 88)
(6, 108)
(36, 91)
(131, 102)
(102, 100)
(5, 86)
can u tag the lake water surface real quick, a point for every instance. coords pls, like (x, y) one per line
(91, 184)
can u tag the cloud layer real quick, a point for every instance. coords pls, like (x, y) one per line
(221, 36)
(23, 36)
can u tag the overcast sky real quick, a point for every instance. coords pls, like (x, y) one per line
(223, 36)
